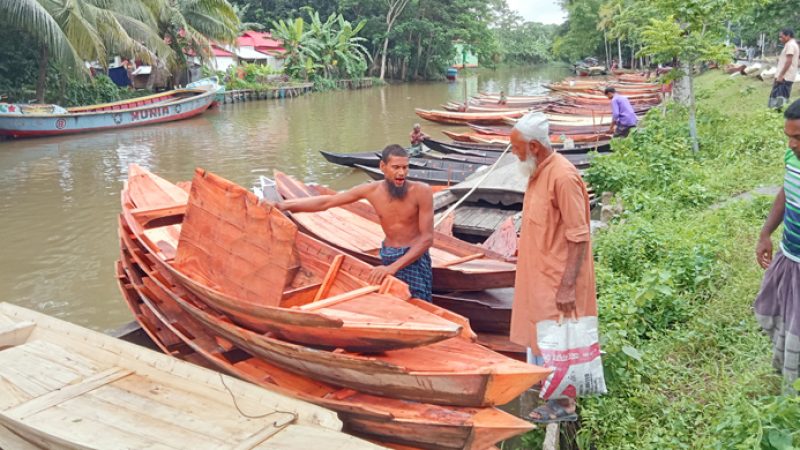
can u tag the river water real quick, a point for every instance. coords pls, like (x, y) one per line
(59, 197)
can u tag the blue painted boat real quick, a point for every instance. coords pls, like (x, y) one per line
(18, 120)
(451, 73)
(210, 83)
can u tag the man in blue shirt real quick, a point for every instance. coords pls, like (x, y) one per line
(622, 115)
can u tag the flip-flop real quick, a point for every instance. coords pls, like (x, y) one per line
(552, 412)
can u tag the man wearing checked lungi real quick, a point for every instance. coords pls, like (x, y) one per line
(777, 306)
(405, 209)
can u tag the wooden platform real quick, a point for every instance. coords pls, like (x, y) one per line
(63, 386)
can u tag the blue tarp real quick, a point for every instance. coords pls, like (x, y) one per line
(119, 75)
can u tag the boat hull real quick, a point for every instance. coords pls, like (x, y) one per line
(21, 125)
(389, 420)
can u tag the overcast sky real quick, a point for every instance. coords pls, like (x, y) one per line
(544, 11)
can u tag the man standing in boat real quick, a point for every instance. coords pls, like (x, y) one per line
(623, 118)
(405, 209)
(555, 270)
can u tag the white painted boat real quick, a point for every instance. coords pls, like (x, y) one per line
(65, 387)
(18, 120)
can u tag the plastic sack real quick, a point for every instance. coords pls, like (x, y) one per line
(572, 350)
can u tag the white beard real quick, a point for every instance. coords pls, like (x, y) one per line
(528, 167)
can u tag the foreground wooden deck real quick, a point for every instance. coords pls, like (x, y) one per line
(63, 386)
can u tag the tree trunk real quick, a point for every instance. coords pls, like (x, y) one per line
(605, 47)
(619, 52)
(633, 57)
(385, 49)
(692, 112)
(419, 56)
(41, 81)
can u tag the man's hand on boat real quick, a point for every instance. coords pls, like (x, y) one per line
(379, 273)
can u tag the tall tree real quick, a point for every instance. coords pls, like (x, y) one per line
(693, 33)
(396, 8)
(89, 30)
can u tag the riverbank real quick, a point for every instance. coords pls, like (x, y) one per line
(686, 363)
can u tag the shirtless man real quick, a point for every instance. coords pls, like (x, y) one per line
(406, 212)
(417, 138)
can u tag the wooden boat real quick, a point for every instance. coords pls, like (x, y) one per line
(65, 386)
(356, 229)
(488, 311)
(372, 159)
(477, 137)
(432, 177)
(496, 138)
(437, 145)
(452, 372)
(383, 419)
(25, 121)
(264, 274)
(459, 118)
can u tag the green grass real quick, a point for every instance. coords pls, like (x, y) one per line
(686, 363)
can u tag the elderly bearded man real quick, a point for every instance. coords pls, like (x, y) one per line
(555, 271)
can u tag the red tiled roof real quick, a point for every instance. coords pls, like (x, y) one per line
(218, 51)
(261, 41)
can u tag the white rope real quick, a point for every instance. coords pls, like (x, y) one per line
(458, 203)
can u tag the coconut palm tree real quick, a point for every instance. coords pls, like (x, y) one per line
(72, 31)
(191, 25)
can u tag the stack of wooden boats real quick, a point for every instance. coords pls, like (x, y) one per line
(577, 110)
(213, 272)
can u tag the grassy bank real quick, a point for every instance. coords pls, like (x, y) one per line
(686, 363)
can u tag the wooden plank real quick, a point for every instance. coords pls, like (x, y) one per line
(55, 397)
(279, 422)
(15, 334)
(147, 214)
(460, 260)
(55, 428)
(328, 302)
(11, 440)
(301, 437)
(330, 277)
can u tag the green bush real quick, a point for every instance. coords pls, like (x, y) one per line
(685, 362)
(99, 89)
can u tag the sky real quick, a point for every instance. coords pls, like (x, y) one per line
(544, 11)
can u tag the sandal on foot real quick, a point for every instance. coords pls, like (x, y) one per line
(552, 412)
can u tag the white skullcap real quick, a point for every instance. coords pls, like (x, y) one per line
(534, 127)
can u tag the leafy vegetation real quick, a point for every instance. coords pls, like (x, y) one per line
(686, 363)
(65, 34)
(329, 50)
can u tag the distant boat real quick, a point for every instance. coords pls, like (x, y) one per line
(452, 73)
(212, 83)
(18, 120)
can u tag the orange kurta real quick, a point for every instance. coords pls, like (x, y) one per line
(555, 210)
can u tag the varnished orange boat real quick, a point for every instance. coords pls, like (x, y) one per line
(418, 425)
(460, 118)
(267, 276)
(484, 138)
(356, 229)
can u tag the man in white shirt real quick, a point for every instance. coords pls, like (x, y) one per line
(787, 70)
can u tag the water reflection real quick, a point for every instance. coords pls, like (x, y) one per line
(59, 196)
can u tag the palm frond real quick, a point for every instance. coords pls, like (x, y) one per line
(34, 19)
